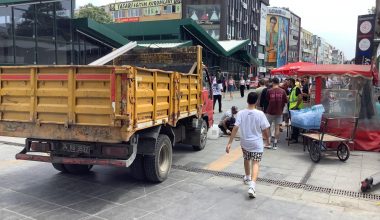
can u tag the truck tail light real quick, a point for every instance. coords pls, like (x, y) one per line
(39, 147)
(115, 151)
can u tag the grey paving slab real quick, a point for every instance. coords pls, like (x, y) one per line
(9, 215)
(318, 213)
(170, 194)
(153, 216)
(64, 197)
(344, 201)
(11, 198)
(315, 197)
(92, 206)
(149, 203)
(121, 196)
(122, 213)
(32, 208)
(62, 214)
(282, 208)
(288, 193)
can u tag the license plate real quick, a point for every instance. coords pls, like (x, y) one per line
(76, 148)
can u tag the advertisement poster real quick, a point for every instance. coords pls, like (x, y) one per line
(263, 24)
(207, 16)
(364, 42)
(283, 33)
(272, 40)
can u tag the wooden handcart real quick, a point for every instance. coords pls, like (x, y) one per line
(321, 141)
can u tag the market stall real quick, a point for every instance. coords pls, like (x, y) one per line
(347, 91)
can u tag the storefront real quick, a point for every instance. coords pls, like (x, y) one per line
(45, 32)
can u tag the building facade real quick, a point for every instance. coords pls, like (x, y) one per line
(337, 56)
(145, 10)
(307, 47)
(283, 37)
(228, 20)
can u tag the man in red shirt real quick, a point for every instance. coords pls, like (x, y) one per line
(277, 99)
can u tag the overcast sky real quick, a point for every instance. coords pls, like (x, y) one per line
(334, 20)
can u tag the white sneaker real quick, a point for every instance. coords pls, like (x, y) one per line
(274, 146)
(251, 192)
(268, 147)
(246, 180)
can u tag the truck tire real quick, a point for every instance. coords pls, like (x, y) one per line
(78, 168)
(157, 167)
(137, 168)
(202, 139)
(60, 167)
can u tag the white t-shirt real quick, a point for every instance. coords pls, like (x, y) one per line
(242, 82)
(217, 89)
(251, 123)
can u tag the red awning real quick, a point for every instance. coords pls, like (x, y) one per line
(336, 69)
(289, 68)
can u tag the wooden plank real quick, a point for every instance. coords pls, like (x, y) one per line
(71, 96)
(33, 98)
(155, 97)
(326, 137)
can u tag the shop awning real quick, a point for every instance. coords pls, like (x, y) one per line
(336, 70)
(232, 46)
(100, 32)
(165, 44)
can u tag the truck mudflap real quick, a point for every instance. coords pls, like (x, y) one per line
(34, 149)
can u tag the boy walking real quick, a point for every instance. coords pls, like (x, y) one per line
(253, 125)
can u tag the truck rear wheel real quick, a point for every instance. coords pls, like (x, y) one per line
(201, 140)
(157, 167)
(60, 167)
(78, 168)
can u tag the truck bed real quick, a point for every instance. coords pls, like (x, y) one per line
(93, 103)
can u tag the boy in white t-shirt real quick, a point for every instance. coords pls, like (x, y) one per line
(253, 125)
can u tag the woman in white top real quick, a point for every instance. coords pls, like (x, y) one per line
(242, 86)
(217, 89)
(248, 83)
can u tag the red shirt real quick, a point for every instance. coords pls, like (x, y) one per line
(277, 100)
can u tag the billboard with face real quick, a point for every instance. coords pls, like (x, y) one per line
(272, 40)
(283, 33)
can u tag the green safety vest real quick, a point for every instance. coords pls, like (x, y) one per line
(293, 99)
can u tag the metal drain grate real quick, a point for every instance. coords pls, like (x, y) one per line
(283, 183)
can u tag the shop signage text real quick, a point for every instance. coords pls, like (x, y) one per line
(142, 4)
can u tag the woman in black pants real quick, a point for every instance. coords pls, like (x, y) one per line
(217, 92)
(242, 86)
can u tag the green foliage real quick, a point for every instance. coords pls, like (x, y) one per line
(372, 10)
(96, 13)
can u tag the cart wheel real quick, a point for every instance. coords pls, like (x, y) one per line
(343, 152)
(315, 151)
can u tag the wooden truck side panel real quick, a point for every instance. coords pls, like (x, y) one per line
(95, 104)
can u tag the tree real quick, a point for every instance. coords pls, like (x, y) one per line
(96, 13)
(372, 10)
